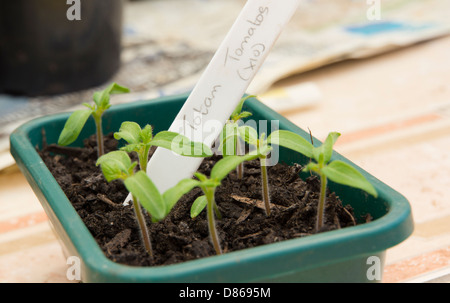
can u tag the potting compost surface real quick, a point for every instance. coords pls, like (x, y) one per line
(178, 237)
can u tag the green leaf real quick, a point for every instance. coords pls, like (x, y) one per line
(116, 165)
(328, 145)
(206, 182)
(243, 115)
(238, 109)
(146, 134)
(198, 206)
(181, 144)
(343, 173)
(263, 151)
(91, 107)
(115, 88)
(97, 98)
(225, 165)
(171, 140)
(202, 177)
(311, 166)
(248, 134)
(73, 126)
(101, 98)
(141, 186)
(262, 139)
(263, 148)
(132, 147)
(130, 132)
(292, 141)
(326, 149)
(173, 194)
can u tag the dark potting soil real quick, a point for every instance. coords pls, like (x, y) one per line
(179, 238)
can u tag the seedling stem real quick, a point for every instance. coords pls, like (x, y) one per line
(142, 226)
(322, 201)
(209, 192)
(265, 184)
(99, 131)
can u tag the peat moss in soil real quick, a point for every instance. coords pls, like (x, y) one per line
(179, 238)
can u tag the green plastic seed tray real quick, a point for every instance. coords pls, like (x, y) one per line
(343, 255)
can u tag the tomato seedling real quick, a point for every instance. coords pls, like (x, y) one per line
(337, 171)
(264, 147)
(117, 165)
(78, 118)
(208, 185)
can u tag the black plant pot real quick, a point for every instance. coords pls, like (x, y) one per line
(42, 52)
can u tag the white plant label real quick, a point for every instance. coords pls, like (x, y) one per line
(222, 85)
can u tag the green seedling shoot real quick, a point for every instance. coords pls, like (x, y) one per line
(263, 148)
(231, 136)
(118, 165)
(141, 140)
(78, 118)
(337, 171)
(208, 185)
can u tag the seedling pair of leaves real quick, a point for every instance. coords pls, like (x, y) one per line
(231, 137)
(141, 140)
(78, 118)
(337, 171)
(208, 185)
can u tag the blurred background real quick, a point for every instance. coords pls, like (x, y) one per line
(376, 71)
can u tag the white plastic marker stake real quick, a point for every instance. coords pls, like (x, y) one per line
(222, 85)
